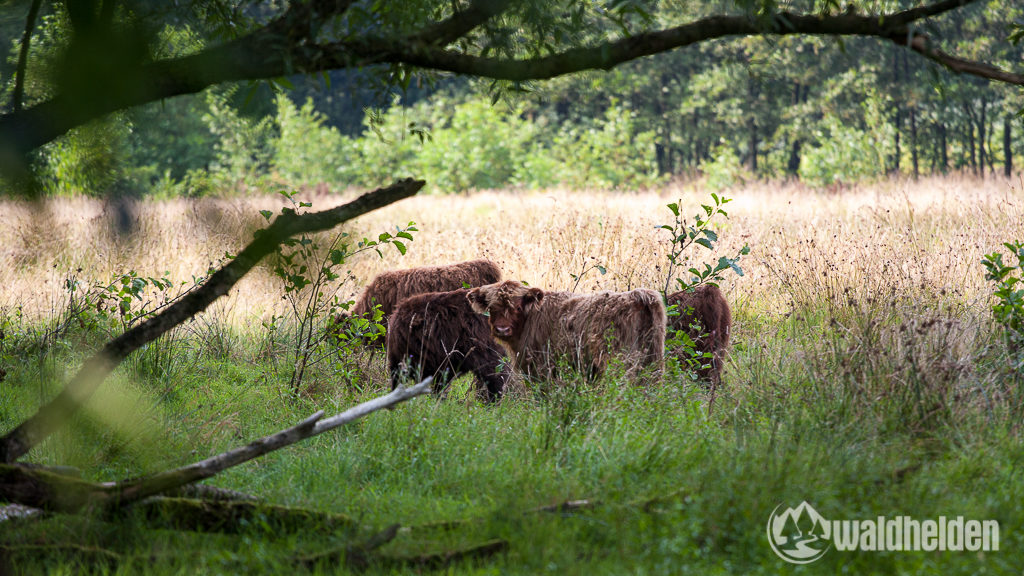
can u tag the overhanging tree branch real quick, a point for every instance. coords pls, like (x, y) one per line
(608, 55)
(461, 23)
(54, 414)
(275, 51)
(921, 44)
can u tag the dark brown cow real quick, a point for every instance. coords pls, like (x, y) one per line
(438, 334)
(705, 316)
(540, 328)
(390, 287)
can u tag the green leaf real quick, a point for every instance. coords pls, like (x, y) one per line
(704, 242)
(400, 246)
(674, 207)
(266, 214)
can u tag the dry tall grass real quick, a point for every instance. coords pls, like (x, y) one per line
(898, 239)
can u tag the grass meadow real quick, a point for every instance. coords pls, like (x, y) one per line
(866, 377)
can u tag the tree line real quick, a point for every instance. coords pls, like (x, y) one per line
(823, 109)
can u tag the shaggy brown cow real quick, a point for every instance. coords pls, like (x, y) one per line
(438, 334)
(390, 287)
(705, 316)
(540, 328)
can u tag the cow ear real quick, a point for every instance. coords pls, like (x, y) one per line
(533, 296)
(477, 301)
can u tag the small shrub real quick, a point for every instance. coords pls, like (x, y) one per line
(1008, 310)
(682, 236)
(725, 170)
(309, 274)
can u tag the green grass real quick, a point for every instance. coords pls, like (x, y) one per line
(861, 410)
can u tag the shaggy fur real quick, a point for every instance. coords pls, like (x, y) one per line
(438, 334)
(705, 316)
(391, 287)
(541, 328)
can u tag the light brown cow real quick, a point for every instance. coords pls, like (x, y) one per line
(391, 287)
(542, 329)
(705, 316)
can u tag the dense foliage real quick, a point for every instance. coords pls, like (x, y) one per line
(828, 111)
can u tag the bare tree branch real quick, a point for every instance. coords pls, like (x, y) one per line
(42, 489)
(51, 416)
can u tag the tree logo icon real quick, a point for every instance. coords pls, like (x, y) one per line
(799, 535)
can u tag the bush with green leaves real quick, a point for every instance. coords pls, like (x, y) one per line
(683, 235)
(845, 153)
(479, 147)
(462, 145)
(307, 151)
(389, 144)
(310, 274)
(243, 148)
(1008, 310)
(724, 170)
(609, 153)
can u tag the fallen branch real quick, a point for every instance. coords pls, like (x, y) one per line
(75, 551)
(125, 493)
(448, 557)
(58, 493)
(227, 517)
(361, 557)
(567, 506)
(210, 493)
(52, 415)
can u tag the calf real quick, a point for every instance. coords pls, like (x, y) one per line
(390, 287)
(705, 316)
(541, 328)
(438, 334)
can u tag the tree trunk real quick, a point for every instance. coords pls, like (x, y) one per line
(970, 140)
(944, 157)
(913, 141)
(696, 142)
(752, 120)
(26, 41)
(670, 116)
(982, 154)
(897, 153)
(793, 165)
(897, 116)
(1007, 147)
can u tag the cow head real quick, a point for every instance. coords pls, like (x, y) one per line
(507, 305)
